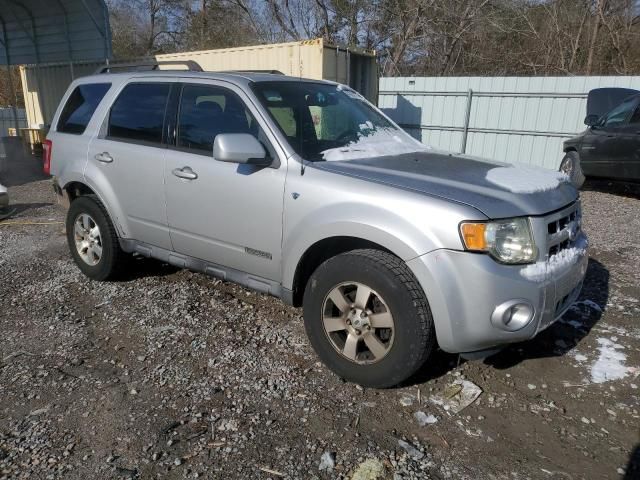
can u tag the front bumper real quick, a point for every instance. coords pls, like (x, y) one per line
(464, 289)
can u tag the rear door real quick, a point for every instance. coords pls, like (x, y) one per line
(227, 214)
(130, 155)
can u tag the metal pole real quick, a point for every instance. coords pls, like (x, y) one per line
(337, 51)
(348, 67)
(465, 131)
(5, 44)
(67, 34)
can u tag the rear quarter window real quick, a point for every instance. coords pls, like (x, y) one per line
(80, 107)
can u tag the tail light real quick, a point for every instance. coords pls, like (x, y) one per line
(46, 153)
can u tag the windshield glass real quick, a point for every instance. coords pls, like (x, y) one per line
(331, 122)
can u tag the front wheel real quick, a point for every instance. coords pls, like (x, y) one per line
(368, 319)
(571, 166)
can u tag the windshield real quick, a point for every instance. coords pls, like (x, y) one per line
(331, 122)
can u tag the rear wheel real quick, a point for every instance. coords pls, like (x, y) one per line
(571, 166)
(92, 239)
(368, 319)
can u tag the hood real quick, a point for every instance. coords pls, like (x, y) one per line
(498, 190)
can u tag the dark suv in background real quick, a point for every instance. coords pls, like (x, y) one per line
(610, 146)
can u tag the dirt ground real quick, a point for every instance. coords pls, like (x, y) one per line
(171, 374)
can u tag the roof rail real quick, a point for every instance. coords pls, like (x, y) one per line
(272, 72)
(148, 66)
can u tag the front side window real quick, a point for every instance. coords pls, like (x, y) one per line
(206, 112)
(138, 113)
(618, 116)
(331, 122)
(81, 106)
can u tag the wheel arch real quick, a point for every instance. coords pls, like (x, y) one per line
(321, 251)
(76, 188)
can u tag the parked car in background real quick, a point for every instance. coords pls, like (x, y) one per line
(304, 190)
(4, 202)
(610, 146)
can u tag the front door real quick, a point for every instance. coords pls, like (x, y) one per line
(130, 156)
(631, 168)
(225, 213)
(605, 151)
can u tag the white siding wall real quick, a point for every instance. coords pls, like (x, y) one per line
(512, 119)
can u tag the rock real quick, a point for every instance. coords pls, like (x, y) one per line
(531, 386)
(407, 400)
(424, 419)
(457, 396)
(411, 450)
(327, 461)
(370, 469)
(177, 462)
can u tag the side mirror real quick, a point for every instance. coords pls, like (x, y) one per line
(240, 148)
(591, 120)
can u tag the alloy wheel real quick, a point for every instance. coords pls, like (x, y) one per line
(358, 323)
(86, 234)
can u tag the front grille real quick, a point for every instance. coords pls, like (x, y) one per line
(563, 229)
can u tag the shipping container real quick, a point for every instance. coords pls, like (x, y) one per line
(308, 59)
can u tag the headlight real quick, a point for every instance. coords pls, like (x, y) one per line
(508, 241)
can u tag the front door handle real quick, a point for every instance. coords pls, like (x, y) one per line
(185, 172)
(104, 157)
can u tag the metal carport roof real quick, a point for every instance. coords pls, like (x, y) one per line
(39, 31)
(33, 32)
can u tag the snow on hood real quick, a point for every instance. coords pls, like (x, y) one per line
(380, 143)
(541, 271)
(526, 178)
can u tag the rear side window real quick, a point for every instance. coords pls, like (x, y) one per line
(80, 107)
(138, 113)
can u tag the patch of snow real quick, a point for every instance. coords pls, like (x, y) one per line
(327, 461)
(526, 179)
(380, 143)
(580, 357)
(423, 419)
(610, 363)
(541, 271)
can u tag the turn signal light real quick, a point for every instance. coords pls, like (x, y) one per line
(473, 235)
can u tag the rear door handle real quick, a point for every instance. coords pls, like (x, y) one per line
(185, 172)
(104, 157)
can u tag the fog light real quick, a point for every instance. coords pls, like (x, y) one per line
(512, 315)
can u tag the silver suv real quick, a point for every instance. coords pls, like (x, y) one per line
(303, 190)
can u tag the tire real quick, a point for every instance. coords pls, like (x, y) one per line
(394, 290)
(111, 259)
(571, 166)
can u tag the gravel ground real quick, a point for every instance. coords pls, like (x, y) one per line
(170, 374)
